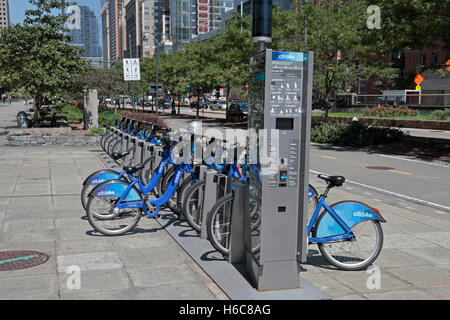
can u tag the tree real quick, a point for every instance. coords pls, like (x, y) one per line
(338, 35)
(36, 58)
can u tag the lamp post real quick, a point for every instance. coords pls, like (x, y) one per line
(132, 83)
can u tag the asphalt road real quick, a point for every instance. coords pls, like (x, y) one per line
(405, 177)
(400, 178)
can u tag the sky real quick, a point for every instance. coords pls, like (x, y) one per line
(17, 10)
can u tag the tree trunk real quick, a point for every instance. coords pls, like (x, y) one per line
(228, 100)
(36, 107)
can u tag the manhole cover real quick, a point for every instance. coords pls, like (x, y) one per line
(21, 259)
(380, 168)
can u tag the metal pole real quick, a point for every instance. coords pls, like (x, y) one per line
(132, 82)
(157, 73)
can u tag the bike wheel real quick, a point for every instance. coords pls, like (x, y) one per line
(108, 141)
(91, 182)
(111, 144)
(104, 217)
(104, 139)
(172, 203)
(313, 201)
(193, 205)
(353, 254)
(157, 189)
(218, 224)
(182, 192)
(116, 147)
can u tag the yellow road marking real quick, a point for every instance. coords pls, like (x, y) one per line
(396, 171)
(328, 157)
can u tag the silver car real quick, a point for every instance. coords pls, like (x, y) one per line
(217, 105)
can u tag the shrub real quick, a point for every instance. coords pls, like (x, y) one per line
(97, 130)
(144, 116)
(389, 112)
(354, 134)
(440, 115)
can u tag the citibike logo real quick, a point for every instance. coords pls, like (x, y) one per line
(287, 56)
(97, 181)
(105, 193)
(362, 214)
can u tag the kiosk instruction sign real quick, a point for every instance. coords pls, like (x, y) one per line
(131, 70)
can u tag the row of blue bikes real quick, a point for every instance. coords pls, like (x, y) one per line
(348, 233)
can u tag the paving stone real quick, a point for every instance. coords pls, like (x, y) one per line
(423, 276)
(101, 281)
(90, 261)
(160, 276)
(181, 291)
(26, 225)
(433, 256)
(28, 286)
(154, 256)
(401, 295)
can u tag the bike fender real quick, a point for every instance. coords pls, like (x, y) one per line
(101, 176)
(350, 212)
(115, 188)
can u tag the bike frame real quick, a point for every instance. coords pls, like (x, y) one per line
(348, 232)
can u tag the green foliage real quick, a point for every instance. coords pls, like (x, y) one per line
(389, 112)
(97, 130)
(69, 112)
(440, 115)
(355, 134)
(36, 59)
(109, 83)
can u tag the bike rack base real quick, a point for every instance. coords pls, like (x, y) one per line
(231, 278)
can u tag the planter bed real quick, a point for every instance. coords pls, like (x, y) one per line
(399, 123)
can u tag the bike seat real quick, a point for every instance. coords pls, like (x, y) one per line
(118, 155)
(334, 181)
(133, 169)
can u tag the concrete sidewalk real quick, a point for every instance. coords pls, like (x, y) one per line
(40, 210)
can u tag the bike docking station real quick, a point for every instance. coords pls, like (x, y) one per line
(266, 234)
(264, 254)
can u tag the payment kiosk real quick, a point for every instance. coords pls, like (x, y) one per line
(280, 94)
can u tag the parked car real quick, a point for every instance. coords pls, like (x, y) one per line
(165, 103)
(196, 104)
(218, 105)
(319, 104)
(237, 112)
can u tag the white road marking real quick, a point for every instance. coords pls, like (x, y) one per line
(423, 162)
(394, 193)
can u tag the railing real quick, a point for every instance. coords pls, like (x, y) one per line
(422, 100)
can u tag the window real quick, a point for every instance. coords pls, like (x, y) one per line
(423, 59)
(434, 58)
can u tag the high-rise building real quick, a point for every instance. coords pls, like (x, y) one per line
(85, 27)
(4, 13)
(191, 18)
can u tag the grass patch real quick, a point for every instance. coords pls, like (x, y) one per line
(354, 134)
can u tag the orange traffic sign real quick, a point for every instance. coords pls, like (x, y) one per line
(418, 79)
(448, 64)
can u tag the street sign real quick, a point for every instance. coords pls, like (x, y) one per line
(418, 87)
(131, 70)
(448, 64)
(418, 79)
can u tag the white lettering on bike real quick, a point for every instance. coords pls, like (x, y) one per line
(362, 214)
(105, 193)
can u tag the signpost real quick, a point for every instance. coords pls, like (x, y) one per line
(418, 79)
(131, 72)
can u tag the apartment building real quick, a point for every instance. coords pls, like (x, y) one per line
(4, 13)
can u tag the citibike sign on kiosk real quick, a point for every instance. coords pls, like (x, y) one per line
(280, 94)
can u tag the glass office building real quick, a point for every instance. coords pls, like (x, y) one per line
(87, 32)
